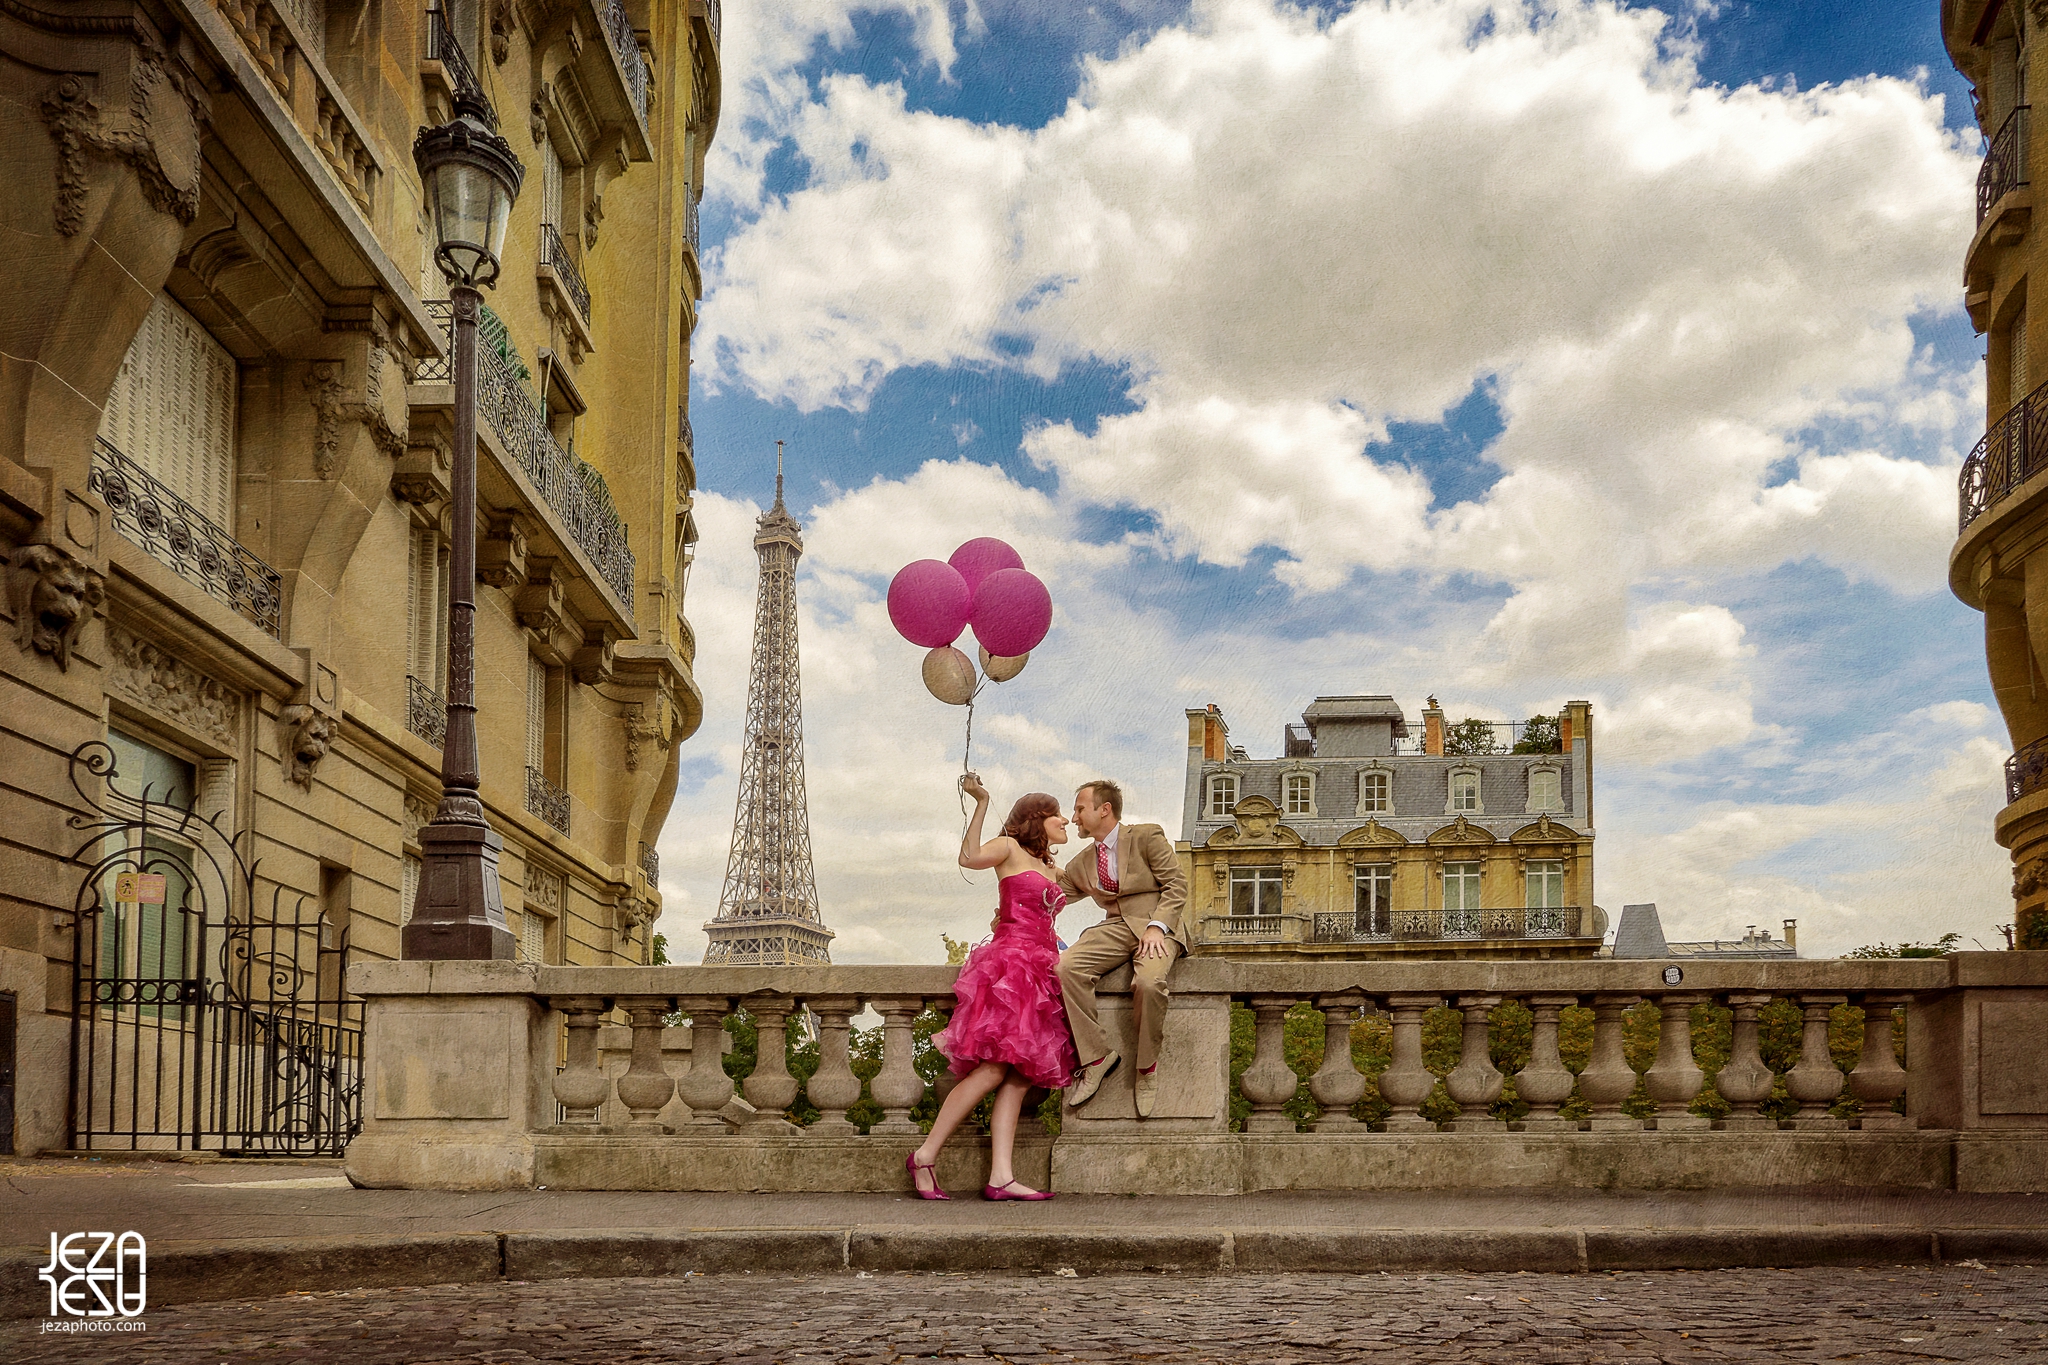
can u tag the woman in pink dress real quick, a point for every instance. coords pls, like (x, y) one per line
(1009, 1030)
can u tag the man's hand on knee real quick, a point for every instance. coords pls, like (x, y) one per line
(1151, 944)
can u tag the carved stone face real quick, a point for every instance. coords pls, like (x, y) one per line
(53, 597)
(308, 735)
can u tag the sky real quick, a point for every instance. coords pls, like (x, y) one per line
(1510, 353)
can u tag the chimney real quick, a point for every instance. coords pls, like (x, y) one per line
(1792, 934)
(1207, 730)
(1433, 728)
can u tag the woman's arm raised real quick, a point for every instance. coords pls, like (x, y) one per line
(973, 852)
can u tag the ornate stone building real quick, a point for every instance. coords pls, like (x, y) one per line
(225, 414)
(1999, 565)
(1365, 840)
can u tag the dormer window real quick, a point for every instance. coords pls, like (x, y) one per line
(1222, 795)
(1375, 792)
(1465, 791)
(1546, 790)
(1301, 794)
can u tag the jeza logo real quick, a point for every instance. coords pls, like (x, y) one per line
(97, 1275)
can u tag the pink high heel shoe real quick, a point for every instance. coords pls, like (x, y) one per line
(1003, 1191)
(910, 1165)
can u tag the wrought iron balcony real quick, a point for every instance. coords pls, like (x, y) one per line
(690, 222)
(1433, 926)
(618, 27)
(555, 256)
(2013, 451)
(575, 491)
(2005, 162)
(182, 538)
(444, 47)
(650, 863)
(2026, 771)
(426, 712)
(545, 799)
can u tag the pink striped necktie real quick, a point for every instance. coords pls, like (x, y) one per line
(1102, 873)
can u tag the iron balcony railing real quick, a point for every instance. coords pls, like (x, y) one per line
(555, 256)
(2005, 162)
(426, 712)
(618, 26)
(1444, 926)
(2026, 771)
(181, 537)
(444, 47)
(650, 863)
(575, 490)
(2012, 451)
(545, 799)
(711, 17)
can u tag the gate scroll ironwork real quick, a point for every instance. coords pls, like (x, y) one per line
(198, 1024)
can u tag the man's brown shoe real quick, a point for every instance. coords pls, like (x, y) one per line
(1092, 1076)
(1145, 1090)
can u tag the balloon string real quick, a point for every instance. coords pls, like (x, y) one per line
(966, 755)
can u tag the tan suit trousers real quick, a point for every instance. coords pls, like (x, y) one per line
(1103, 948)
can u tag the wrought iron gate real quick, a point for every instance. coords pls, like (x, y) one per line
(197, 1023)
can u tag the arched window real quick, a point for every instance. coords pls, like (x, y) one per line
(1375, 792)
(1465, 791)
(1546, 792)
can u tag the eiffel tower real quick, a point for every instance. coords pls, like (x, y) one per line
(768, 911)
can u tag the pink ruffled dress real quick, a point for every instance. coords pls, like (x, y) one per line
(1009, 1007)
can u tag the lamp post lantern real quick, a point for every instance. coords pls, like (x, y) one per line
(471, 178)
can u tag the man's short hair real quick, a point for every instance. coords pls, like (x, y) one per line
(1105, 790)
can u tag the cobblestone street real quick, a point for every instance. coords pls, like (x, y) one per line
(1956, 1313)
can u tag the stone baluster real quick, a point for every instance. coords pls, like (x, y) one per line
(897, 1086)
(1269, 1082)
(1475, 1083)
(771, 1089)
(1675, 1078)
(1546, 1082)
(1337, 1084)
(1878, 1078)
(581, 1085)
(646, 1087)
(1406, 1082)
(706, 1087)
(1816, 1082)
(834, 1088)
(1607, 1079)
(1746, 1082)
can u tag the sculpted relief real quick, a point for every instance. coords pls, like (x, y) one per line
(157, 681)
(305, 735)
(53, 597)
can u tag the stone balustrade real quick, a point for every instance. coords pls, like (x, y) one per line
(494, 1075)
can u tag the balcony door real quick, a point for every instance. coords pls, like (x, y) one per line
(1372, 894)
(172, 410)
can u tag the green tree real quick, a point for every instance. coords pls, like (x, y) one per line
(1540, 735)
(1940, 947)
(661, 950)
(1471, 736)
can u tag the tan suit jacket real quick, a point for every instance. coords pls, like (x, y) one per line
(1150, 883)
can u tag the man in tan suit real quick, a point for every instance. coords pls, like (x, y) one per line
(1133, 872)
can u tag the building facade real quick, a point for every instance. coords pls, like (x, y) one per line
(1365, 840)
(2000, 561)
(224, 476)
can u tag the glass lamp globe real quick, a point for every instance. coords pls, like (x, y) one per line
(471, 179)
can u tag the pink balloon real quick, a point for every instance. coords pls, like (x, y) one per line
(928, 602)
(1012, 612)
(977, 559)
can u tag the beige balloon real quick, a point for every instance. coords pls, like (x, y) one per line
(949, 676)
(1001, 669)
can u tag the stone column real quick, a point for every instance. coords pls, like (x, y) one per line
(1475, 1083)
(581, 1085)
(1674, 1078)
(834, 1088)
(771, 1089)
(1337, 1084)
(1746, 1082)
(1269, 1082)
(646, 1087)
(1608, 1079)
(706, 1087)
(1406, 1082)
(1545, 1083)
(1816, 1082)
(897, 1086)
(1878, 1078)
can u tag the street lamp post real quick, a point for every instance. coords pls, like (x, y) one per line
(471, 178)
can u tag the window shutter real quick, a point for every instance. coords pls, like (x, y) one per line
(536, 714)
(172, 410)
(2018, 352)
(533, 937)
(409, 892)
(550, 184)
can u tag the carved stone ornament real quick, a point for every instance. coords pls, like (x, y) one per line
(503, 21)
(81, 129)
(641, 729)
(416, 815)
(323, 382)
(2029, 877)
(53, 596)
(537, 117)
(168, 686)
(304, 735)
(332, 404)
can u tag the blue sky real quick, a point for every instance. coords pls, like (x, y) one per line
(1427, 346)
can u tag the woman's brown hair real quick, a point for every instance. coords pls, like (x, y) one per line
(1027, 822)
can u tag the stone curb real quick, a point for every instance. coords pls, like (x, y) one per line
(195, 1272)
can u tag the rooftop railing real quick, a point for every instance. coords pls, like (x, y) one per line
(2011, 452)
(2005, 162)
(574, 490)
(181, 537)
